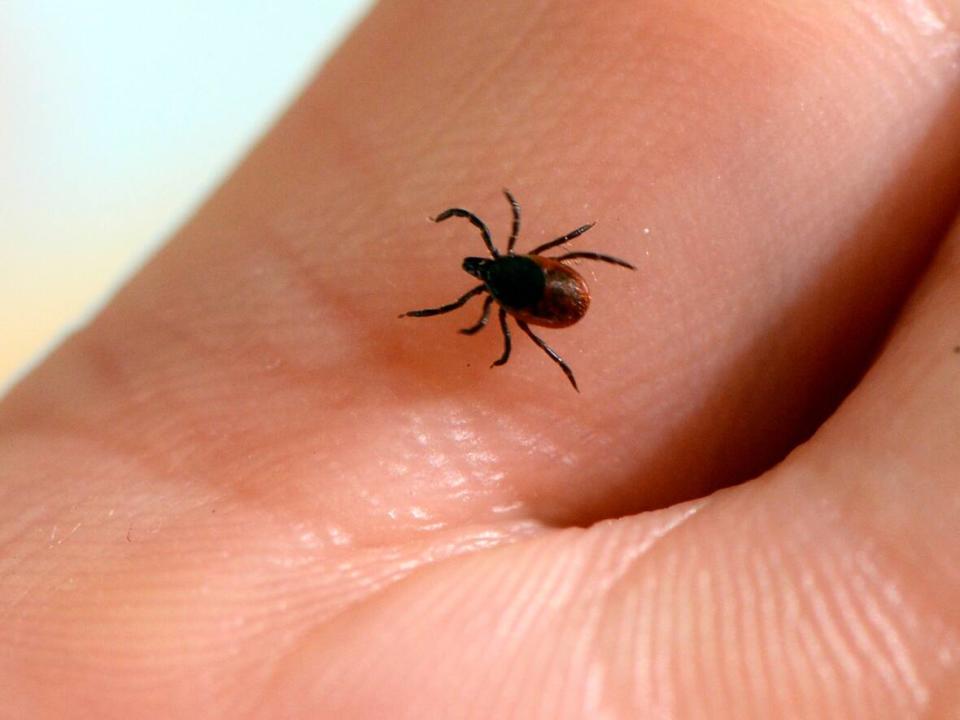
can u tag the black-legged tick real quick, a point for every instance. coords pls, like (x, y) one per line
(534, 289)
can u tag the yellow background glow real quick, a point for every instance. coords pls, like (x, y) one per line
(117, 118)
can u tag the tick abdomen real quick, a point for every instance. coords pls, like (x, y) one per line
(535, 289)
(565, 297)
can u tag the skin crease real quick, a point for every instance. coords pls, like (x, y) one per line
(247, 487)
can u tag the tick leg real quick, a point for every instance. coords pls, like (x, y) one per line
(515, 207)
(475, 221)
(482, 322)
(552, 353)
(446, 308)
(561, 240)
(506, 339)
(595, 256)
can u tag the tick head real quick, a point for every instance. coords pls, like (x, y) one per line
(477, 267)
(514, 280)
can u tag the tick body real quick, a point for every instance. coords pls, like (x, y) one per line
(533, 289)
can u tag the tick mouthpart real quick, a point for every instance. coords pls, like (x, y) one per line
(476, 266)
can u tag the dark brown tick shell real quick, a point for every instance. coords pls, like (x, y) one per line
(565, 297)
(535, 289)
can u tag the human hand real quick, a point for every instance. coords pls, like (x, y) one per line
(248, 490)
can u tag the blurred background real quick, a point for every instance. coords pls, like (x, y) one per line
(117, 119)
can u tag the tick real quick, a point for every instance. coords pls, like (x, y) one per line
(533, 289)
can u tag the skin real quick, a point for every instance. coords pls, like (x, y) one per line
(248, 488)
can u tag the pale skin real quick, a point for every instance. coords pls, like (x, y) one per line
(248, 488)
